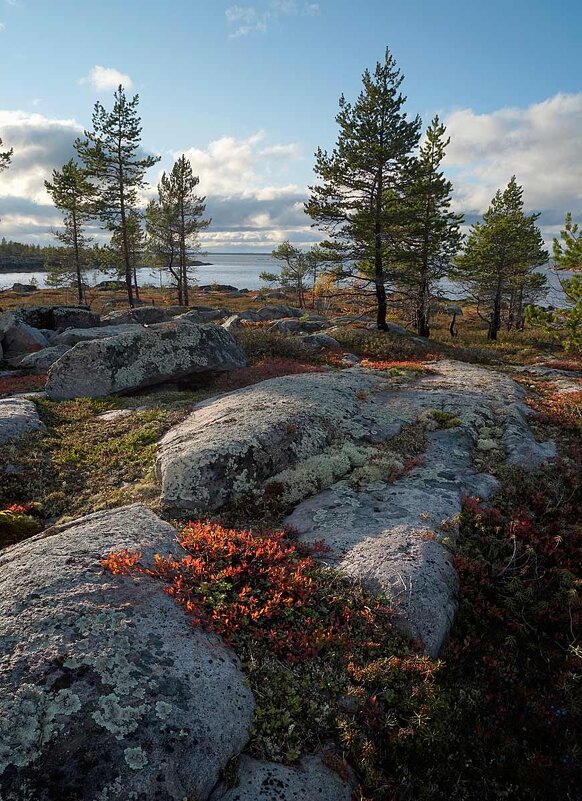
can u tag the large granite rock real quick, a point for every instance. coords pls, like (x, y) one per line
(202, 314)
(71, 336)
(18, 416)
(267, 313)
(40, 361)
(141, 358)
(57, 318)
(310, 780)
(322, 441)
(107, 692)
(17, 338)
(143, 315)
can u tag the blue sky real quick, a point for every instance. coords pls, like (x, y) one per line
(249, 90)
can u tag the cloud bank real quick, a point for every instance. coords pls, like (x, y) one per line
(256, 201)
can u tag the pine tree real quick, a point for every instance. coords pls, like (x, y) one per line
(296, 267)
(114, 254)
(5, 157)
(567, 322)
(500, 254)
(111, 154)
(360, 179)
(174, 222)
(430, 230)
(74, 195)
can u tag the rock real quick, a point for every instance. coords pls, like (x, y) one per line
(204, 315)
(24, 288)
(143, 315)
(141, 358)
(112, 694)
(53, 318)
(311, 779)
(72, 317)
(234, 323)
(18, 338)
(313, 438)
(233, 444)
(218, 288)
(115, 414)
(71, 336)
(349, 360)
(321, 341)
(267, 313)
(111, 285)
(18, 416)
(41, 361)
(286, 326)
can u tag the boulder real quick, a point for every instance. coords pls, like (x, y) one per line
(291, 326)
(311, 779)
(18, 338)
(71, 317)
(321, 341)
(204, 315)
(54, 318)
(219, 288)
(71, 336)
(40, 361)
(141, 358)
(24, 288)
(312, 440)
(144, 315)
(18, 416)
(112, 694)
(267, 313)
(110, 286)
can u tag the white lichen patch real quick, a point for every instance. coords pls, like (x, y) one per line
(136, 758)
(319, 472)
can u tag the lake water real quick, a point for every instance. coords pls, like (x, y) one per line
(242, 270)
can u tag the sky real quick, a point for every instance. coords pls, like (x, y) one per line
(249, 90)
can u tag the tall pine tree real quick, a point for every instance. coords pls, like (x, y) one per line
(5, 157)
(362, 177)
(111, 154)
(74, 195)
(500, 254)
(430, 229)
(174, 222)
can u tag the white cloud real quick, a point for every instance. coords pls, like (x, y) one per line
(541, 144)
(2, 27)
(250, 19)
(106, 78)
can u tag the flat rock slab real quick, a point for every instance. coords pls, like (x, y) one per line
(233, 444)
(309, 435)
(310, 780)
(40, 361)
(18, 416)
(111, 694)
(71, 336)
(142, 357)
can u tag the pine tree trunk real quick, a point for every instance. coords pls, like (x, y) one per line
(126, 259)
(77, 260)
(495, 322)
(135, 284)
(378, 262)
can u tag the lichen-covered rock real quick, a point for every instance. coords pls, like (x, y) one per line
(73, 317)
(310, 439)
(321, 341)
(18, 416)
(111, 694)
(233, 323)
(71, 336)
(141, 358)
(310, 780)
(266, 313)
(232, 445)
(141, 315)
(204, 315)
(40, 361)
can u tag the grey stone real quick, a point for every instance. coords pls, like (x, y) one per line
(204, 315)
(111, 694)
(349, 360)
(141, 358)
(291, 326)
(18, 338)
(147, 315)
(40, 361)
(74, 317)
(266, 313)
(321, 341)
(311, 779)
(18, 416)
(71, 336)
(315, 435)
